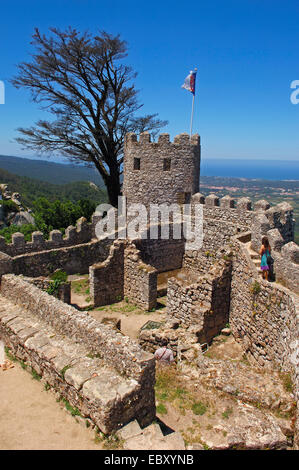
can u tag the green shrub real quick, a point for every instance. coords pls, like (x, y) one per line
(26, 229)
(256, 288)
(9, 206)
(59, 275)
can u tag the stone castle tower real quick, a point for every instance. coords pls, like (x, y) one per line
(163, 171)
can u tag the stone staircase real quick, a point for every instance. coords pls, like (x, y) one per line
(149, 438)
(255, 257)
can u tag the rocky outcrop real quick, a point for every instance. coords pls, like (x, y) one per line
(15, 213)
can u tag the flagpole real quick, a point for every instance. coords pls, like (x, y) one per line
(191, 124)
(189, 85)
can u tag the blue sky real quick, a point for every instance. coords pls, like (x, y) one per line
(246, 53)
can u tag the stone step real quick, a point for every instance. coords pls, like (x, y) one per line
(149, 438)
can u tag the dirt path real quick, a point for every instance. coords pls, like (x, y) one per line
(32, 419)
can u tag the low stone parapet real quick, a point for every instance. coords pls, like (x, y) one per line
(58, 341)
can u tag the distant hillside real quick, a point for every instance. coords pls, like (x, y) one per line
(30, 189)
(50, 172)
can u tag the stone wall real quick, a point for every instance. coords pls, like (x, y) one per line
(63, 291)
(264, 319)
(164, 255)
(106, 279)
(5, 264)
(262, 315)
(201, 261)
(222, 218)
(72, 260)
(197, 310)
(82, 233)
(278, 225)
(202, 302)
(280, 217)
(140, 279)
(118, 353)
(286, 260)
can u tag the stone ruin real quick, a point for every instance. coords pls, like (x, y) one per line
(106, 375)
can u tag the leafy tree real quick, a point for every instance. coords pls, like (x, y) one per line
(83, 81)
(60, 214)
(9, 206)
(26, 229)
(50, 215)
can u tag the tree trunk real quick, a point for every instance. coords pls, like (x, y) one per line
(113, 189)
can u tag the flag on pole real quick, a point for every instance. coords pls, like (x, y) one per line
(189, 83)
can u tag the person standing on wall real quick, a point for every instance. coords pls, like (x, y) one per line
(265, 253)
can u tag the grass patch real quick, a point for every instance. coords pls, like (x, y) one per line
(227, 413)
(112, 442)
(70, 408)
(9, 354)
(35, 375)
(170, 388)
(23, 364)
(161, 409)
(287, 382)
(81, 286)
(199, 408)
(255, 288)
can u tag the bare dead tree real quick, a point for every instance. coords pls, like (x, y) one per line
(83, 81)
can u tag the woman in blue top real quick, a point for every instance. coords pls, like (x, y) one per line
(265, 251)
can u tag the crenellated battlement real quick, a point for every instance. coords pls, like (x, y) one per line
(182, 139)
(226, 202)
(279, 217)
(82, 233)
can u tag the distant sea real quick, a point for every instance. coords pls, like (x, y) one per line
(257, 169)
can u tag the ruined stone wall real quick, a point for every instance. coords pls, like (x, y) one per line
(264, 319)
(286, 260)
(162, 172)
(277, 223)
(5, 264)
(63, 291)
(106, 279)
(82, 233)
(163, 255)
(280, 217)
(79, 326)
(115, 350)
(140, 279)
(72, 260)
(262, 315)
(222, 218)
(202, 302)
